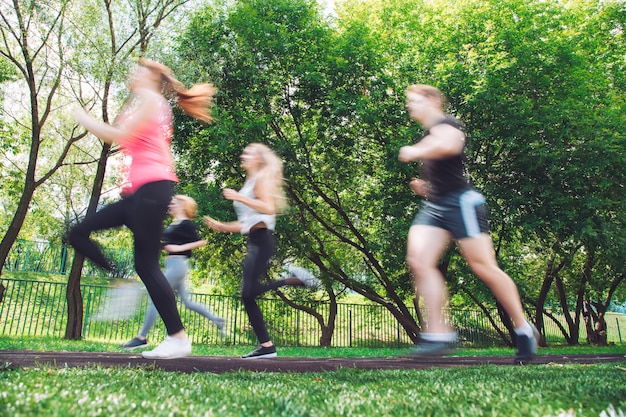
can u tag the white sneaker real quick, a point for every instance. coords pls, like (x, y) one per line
(308, 279)
(170, 348)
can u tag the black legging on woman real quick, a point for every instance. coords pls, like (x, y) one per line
(143, 213)
(261, 247)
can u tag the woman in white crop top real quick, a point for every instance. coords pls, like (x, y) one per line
(257, 203)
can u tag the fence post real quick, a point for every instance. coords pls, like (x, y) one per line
(350, 327)
(297, 327)
(234, 329)
(63, 259)
(619, 332)
(86, 311)
(398, 332)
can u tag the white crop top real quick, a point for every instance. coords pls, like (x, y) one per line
(247, 216)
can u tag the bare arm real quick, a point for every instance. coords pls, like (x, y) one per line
(112, 134)
(171, 248)
(444, 141)
(264, 203)
(419, 186)
(224, 227)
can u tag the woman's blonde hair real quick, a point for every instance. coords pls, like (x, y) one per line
(190, 207)
(271, 171)
(195, 101)
(427, 91)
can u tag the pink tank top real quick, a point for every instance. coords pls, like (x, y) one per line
(149, 152)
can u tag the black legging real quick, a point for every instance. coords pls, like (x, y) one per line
(260, 248)
(143, 213)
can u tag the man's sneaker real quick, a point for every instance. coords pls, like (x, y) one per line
(308, 279)
(261, 352)
(526, 347)
(430, 348)
(170, 348)
(136, 343)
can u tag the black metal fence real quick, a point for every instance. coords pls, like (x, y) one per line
(50, 258)
(37, 308)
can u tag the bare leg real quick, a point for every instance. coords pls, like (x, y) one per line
(424, 248)
(479, 254)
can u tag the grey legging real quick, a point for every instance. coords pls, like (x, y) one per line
(176, 268)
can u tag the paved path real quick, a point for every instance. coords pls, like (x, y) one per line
(221, 364)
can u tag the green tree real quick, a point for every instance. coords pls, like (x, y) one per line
(319, 97)
(550, 117)
(540, 86)
(109, 44)
(33, 44)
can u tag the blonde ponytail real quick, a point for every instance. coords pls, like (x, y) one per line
(271, 171)
(196, 101)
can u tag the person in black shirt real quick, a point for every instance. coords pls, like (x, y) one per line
(453, 210)
(178, 239)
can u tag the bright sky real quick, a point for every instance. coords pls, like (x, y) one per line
(328, 6)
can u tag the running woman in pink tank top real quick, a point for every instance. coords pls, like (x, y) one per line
(144, 133)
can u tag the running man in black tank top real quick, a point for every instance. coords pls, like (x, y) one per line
(453, 210)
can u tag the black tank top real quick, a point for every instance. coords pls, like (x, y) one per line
(446, 175)
(179, 234)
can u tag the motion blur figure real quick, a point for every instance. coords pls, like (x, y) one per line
(453, 210)
(256, 205)
(144, 133)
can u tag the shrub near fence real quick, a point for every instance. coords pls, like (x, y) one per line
(357, 324)
(36, 308)
(45, 257)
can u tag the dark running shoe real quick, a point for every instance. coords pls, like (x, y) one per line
(261, 352)
(430, 348)
(526, 347)
(136, 343)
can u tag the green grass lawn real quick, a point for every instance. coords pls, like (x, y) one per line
(48, 343)
(538, 390)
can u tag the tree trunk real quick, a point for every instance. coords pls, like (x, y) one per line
(391, 299)
(595, 323)
(572, 336)
(508, 341)
(327, 331)
(597, 311)
(541, 302)
(74, 329)
(73, 295)
(16, 224)
(548, 278)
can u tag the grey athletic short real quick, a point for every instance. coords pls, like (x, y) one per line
(463, 214)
